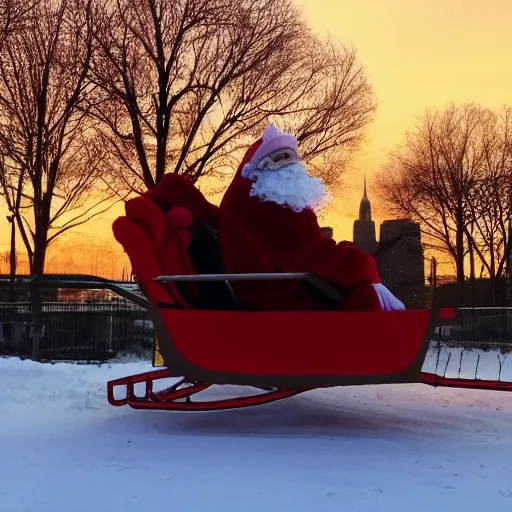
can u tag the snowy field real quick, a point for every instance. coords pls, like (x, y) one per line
(384, 449)
(469, 364)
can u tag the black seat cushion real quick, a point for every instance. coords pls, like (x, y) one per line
(205, 253)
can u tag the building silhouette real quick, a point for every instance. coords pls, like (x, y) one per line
(398, 252)
(401, 262)
(364, 228)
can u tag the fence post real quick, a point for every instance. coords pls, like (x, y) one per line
(36, 307)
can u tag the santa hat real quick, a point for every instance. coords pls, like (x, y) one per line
(273, 140)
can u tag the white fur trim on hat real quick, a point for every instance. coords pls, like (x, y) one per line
(273, 140)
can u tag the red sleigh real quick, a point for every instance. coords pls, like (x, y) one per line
(208, 336)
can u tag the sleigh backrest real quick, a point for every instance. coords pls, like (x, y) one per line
(170, 243)
(154, 242)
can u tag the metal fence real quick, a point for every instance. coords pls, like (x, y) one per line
(101, 331)
(75, 331)
(486, 328)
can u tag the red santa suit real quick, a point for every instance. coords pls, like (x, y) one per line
(274, 199)
(266, 223)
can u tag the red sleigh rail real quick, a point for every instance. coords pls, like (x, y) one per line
(454, 382)
(167, 399)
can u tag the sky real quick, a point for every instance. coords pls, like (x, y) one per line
(418, 54)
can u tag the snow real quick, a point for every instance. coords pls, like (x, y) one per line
(396, 448)
(469, 364)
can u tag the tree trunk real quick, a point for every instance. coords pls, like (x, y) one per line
(15, 215)
(492, 273)
(433, 282)
(12, 259)
(460, 260)
(472, 270)
(493, 290)
(36, 308)
(509, 263)
(40, 247)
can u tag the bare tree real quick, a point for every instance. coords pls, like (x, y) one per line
(183, 85)
(14, 15)
(329, 117)
(433, 177)
(49, 155)
(490, 199)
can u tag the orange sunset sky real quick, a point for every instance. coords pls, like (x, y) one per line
(418, 54)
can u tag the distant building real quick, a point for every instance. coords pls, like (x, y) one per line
(401, 262)
(399, 253)
(364, 228)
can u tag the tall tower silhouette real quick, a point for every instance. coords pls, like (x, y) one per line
(364, 228)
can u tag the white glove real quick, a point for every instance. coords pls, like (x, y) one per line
(388, 301)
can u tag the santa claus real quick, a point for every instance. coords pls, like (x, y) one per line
(275, 199)
(267, 223)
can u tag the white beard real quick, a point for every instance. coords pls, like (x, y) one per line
(290, 186)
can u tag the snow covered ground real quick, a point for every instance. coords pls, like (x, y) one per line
(387, 448)
(469, 364)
